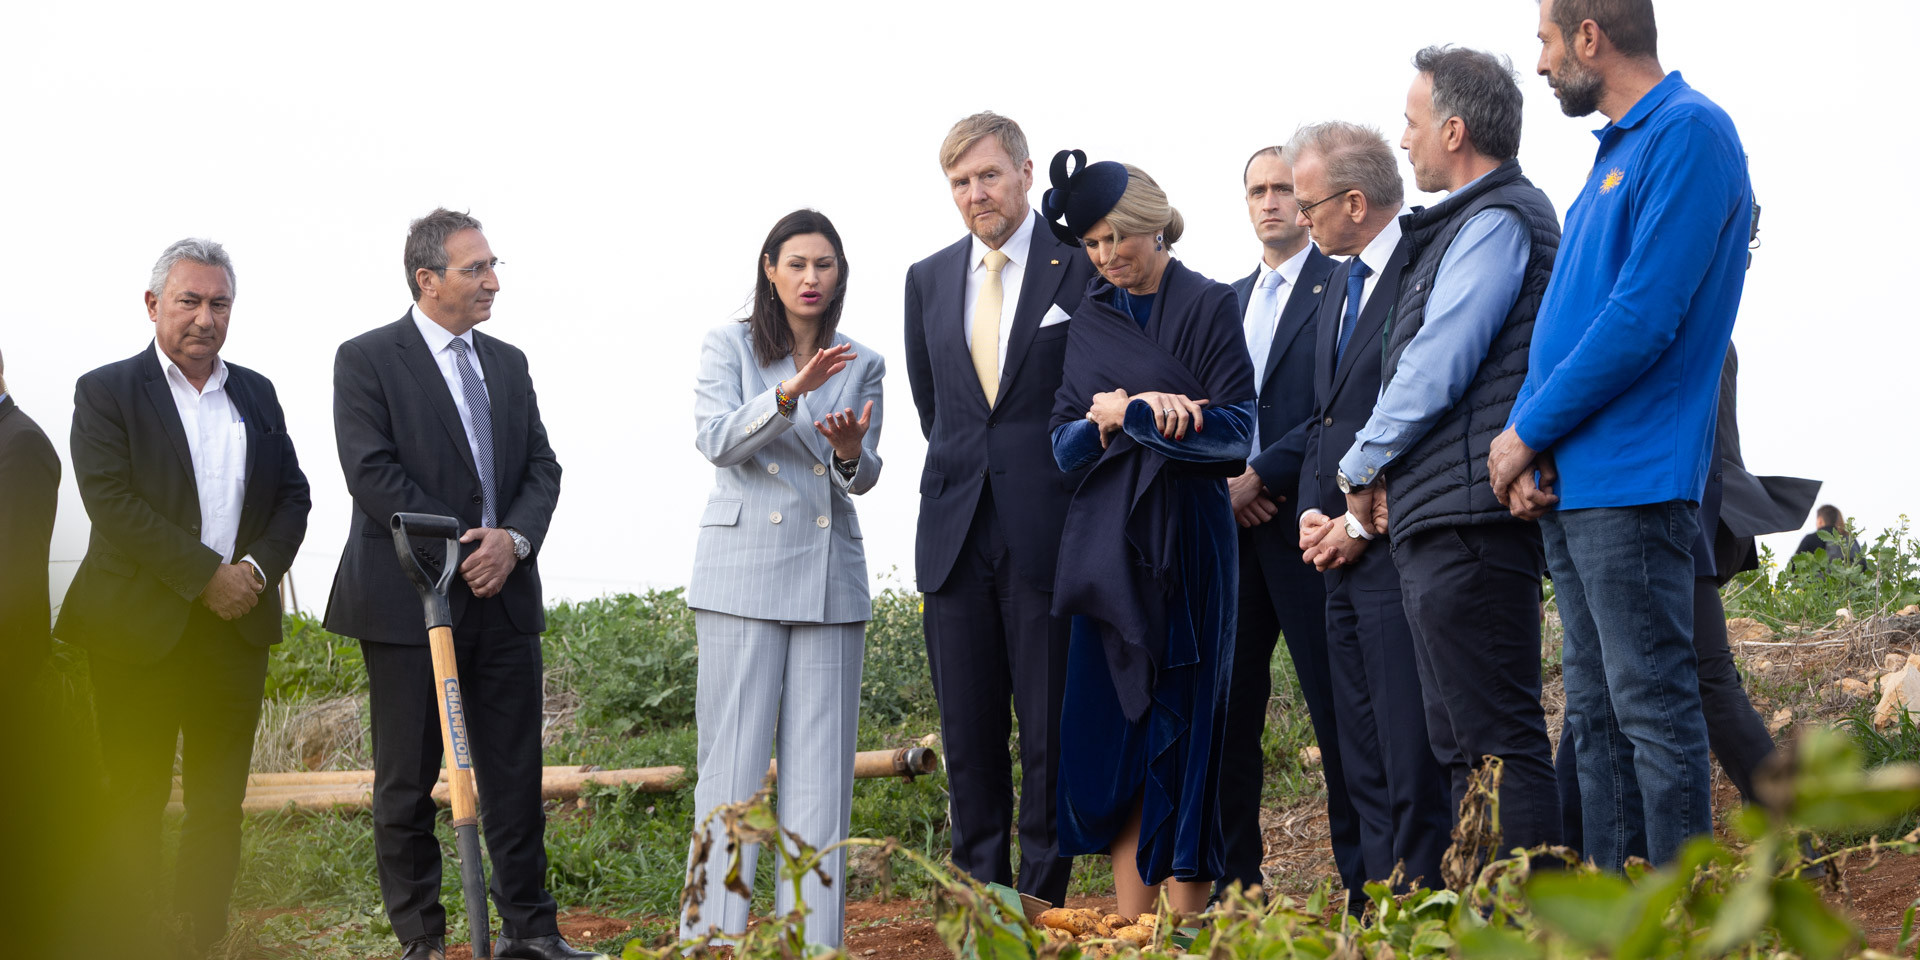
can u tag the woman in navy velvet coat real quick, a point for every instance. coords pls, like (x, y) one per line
(1157, 395)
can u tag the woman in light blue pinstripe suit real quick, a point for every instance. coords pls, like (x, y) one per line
(779, 586)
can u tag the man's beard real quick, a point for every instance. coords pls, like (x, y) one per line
(1577, 88)
(994, 230)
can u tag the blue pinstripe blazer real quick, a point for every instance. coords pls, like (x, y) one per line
(779, 538)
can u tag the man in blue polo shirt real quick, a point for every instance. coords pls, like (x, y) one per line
(1611, 433)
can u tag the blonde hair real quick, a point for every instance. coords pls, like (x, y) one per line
(1143, 210)
(972, 130)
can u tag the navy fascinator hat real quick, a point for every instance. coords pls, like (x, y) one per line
(1078, 200)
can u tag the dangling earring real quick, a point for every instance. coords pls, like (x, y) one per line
(1156, 242)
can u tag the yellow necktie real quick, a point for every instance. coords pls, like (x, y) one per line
(986, 328)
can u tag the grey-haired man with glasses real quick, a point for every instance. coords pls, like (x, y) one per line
(432, 416)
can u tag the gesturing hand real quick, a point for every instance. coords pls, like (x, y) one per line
(486, 569)
(1174, 414)
(824, 364)
(845, 432)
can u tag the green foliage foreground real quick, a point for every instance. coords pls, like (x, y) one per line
(1715, 900)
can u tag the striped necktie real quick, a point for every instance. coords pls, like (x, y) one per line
(479, 423)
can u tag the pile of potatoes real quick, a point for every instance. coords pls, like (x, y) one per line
(1089, 926)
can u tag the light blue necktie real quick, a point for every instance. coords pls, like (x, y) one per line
(1357, 274)
(479, 423)
(1263, 318)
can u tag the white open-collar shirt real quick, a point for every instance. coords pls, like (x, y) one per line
(217, 444)
(1012, 272)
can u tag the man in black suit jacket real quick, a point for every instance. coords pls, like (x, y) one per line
(1279, 595)
(992, 500)
(30, 475)
(1347, 185)
(434, 417)
(198, 506)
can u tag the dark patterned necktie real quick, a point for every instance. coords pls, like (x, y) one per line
(479, 423)
(1357, 275)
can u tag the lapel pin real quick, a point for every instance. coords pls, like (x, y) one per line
(1319, 287)
(1056, 263)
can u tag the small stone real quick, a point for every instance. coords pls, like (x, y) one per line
(1781, 718)
(1893, 663)
(1309, 756)
(868, 952)
(1843, 615)
(1744, 629)
(1898, 690)
(1910, 610)
(1762, 666)
(1853, 688)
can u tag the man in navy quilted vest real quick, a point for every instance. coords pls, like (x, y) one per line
(1454, 358)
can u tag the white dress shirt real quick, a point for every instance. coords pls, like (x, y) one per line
(1260, 329)
(440, 345)
(1011, 273)
(217, 444)
(1375, 256)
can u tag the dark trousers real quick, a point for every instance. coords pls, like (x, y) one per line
(1473, 601)
(205, 693)
(1396, 786)
(991, 639)
(1279, 595)
(1739, 739)
(500, 682)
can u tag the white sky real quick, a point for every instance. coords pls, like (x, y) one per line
(627, 159)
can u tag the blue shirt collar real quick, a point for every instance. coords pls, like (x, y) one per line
(1648, 103)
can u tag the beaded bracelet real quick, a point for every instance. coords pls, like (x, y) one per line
(785, 403)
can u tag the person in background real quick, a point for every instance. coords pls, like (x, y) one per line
(1831, 538)
(1279, 595)
(787, 409)
(1470, 571)
(430, 415)
(1347, 183)
(198, 506)
(1156, 402)
(1616, 417)
(986, 334)
(30, 475)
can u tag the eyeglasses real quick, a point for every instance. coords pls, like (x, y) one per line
(1305, 207)
(477, 269)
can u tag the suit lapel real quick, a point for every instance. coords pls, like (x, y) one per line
(1327, 336)
(949, 301)
(160, 394)
(497, 391)
(414, 356)
(1366, 331)
(241, 396)
(1040, 279)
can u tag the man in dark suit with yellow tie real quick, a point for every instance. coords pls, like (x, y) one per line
(986, 335)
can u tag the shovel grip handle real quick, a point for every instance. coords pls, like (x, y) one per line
(455, 745)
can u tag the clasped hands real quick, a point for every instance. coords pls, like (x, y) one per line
(1523, 478)
(233, 591)
(1174, 415)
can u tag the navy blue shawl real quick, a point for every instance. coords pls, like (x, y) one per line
(1120, 574)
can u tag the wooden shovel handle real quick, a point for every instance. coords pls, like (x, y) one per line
(454, 742)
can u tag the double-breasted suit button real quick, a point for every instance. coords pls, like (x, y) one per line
(774, 516)
(819, 469)
(1328, 422)
(822, 522)
(773, 468)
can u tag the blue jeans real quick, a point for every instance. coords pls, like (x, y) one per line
(1623, 577)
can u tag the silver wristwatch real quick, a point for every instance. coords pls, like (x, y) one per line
(1356, 529)
(521, 545)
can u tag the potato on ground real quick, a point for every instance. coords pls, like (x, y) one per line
(1061, 918)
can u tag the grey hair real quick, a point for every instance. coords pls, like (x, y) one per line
(1480, 89)
(192, 250)
(1357, 157)
(427, 242)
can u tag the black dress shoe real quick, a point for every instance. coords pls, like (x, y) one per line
(550, 947)
(425, 948)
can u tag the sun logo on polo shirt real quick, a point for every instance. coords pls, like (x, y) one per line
(1613, 179)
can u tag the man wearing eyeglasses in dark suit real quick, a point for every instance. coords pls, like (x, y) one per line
(435, 417)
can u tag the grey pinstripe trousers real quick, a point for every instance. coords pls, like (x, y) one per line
(804, 680)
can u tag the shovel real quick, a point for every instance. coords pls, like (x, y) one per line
(429, 549)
